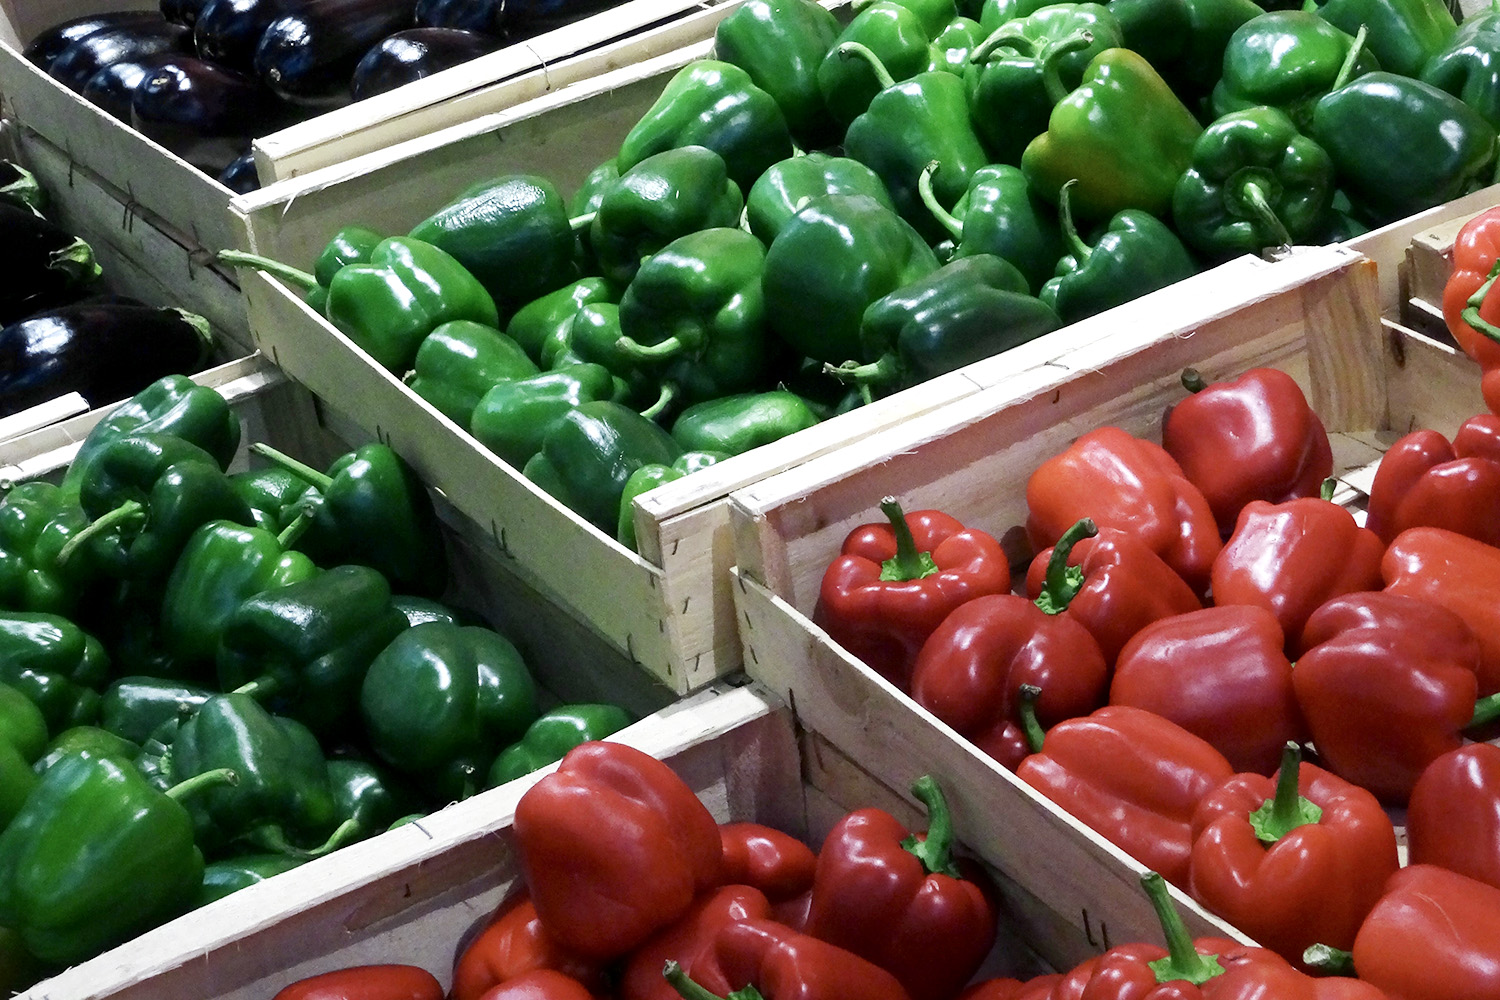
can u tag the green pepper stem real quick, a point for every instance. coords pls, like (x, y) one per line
(663, 400)
(299, 469)
(1031, 726)
(935, 851)
(1486, 709)
(1470, 314)
(1326, 491)
(1193, 380)
(1346, 71)
(1183, 960)
(582, 221)
(690, 990)
(1057, 91)
(1252, 194)
(908, 563)
(944, 218)
(882, 75)
(882, 371)
(273, 838)
(1287, 809)
(1006, 36)
(291, 275)
(262, 687)
(666, 350)
(106, 522)
(198, 782)
(288, 536)
(1063, 582)
(1070, 232)
(1327, 958)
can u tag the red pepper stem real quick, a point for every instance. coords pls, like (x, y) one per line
(1193, 380)
(298, 278)
(1183, 960)
(1326, 491)
(882, 75)
(883, 370)
(1486, 709)
(1346, 71)
(1063, 581)
(1031, 726)
(935, 851)
(581, 221)
(1327, 958)
(909, 562)
(1287, 810)
(664, 350)
(199, 782)
(663, 400)
(1470, 314)
(299, 469)
(1252, 195)
(944, 218)
(1081, 250)
(106, 522)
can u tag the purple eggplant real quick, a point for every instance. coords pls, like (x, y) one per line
(77, 64)
(414, 53)
(182, 11)
(228, 31)
(308, 57)
(112, 88)
(513, 18)
(240, 176)
(47, 265)
(44, 49)
(205, 114)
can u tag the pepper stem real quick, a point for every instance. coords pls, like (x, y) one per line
(1326, 491)
(1183, 960)
(666, 350)
(1327, 958)
(944, 218)
(76, 260)
(1070, 232)
(935, 851)
(273, 838)
(1346, 71)
(582, 221)
(293, 531)
(690, 990)
(1252, 196)
(882, 75)
(275, 268)
(1057, 91)
(1470, 314)
(1006, 36)
(198, 782)
(110, 520)
(299, 469)
(664, 400)
(1063, 581)
(908, 563)
(884, 370)
(1031, 726)
(1486, 709)
(1193, 380)
(1287, 810)
(261, 687)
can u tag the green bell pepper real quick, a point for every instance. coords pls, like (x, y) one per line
(780, 44)
(19, 968)
(591, 451)
(1285, 59)
(898, 38)
(787, 186)
(55, 664)
(993, 13)
(1255, 182)
(302, 650)
(37, 520)
(1159, 30)
(350, 245)
(594, 338)
(90, 740)
(736, 424)
(17, 781)
(370, 509)
(271, 494)
(1196, 68)
(934, 15)
(96, 856)
(1467, 66)
(1402, 34)
(229, 875)
(135, 707)
(513, 418)
(552, 735)
(694, 314)
(649, 477)
(443, 694)
(839, 254)
(420, 610)
(22, 724)
(368, 798)
(460, 361)
(1001, 215)
(1136, 254)
(714, 104)
(951, 50)
(545, 321)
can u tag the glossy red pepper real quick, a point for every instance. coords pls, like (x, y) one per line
(971, 671)
(690, 943)
(1292, 860)
(366, 982)
(1476, 248)
(1453, 816)
(1253, 438)
(1125, 482)
(782, 964)
(901, 900)
(778, 864)
(1424, 480)
(614, 846)
(1387, 685)
(1291, 557)
(1113, 585)
(1455, 572)
(892, 584)
(1038, 988)
(1134, 778)
(515, 943)
(539, 984)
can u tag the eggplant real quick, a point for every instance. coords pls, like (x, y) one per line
(44, 49)
(240, 176)
(484, 16)
(414, 53)
(309, 57)
(19, 186)
(205, 114)
(228, 31)
(112, 88)
(514, 18)
(105, 349)
(78, 63)
(182, 11)
(47, 265)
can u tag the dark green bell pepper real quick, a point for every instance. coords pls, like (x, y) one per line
(460, 361)
(90, 740)
(1467, 66)
(839, 254)
(37, 520)
(1136, 254)
(594, 338)
(546, 320)
(135, 707)
(1286, 59)
(649, 477)
(22, 724)
(780, 44)
(229, 875)
(1159, 30)
(271, 494)
(787, 186)
(1001, 215)
(1402, 34)
(368, 798)
(513, 418)
(993, 13)
(17, 780)
(714, 104)
(55, 664)
(955, 44)
(935, 15)
(1195, 69)
(420, 610)
(552, 735)
(898, 38)
(1255, 182)
(736, 424)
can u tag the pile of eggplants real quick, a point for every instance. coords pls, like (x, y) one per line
(205, 77)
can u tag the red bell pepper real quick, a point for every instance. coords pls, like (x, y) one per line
(1134, 778)
(1458, 573)
(1453, 817)
(1387, 686)
(366, 982)
(614, 846)
(1039, 988)
(1475, 251)
(1111, 584)
(1292, 861)
(1291, 557)
(972, 668)
(538, 984)
(1220, 673)
(779, 865)
(515, 943)
(892, 584)
(901, 900)
(1254, 438)
(1124, 482)
(782, 964)
(1423, 480)
(690, 943)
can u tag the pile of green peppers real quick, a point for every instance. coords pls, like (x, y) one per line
(208, 678)
(829, 210)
